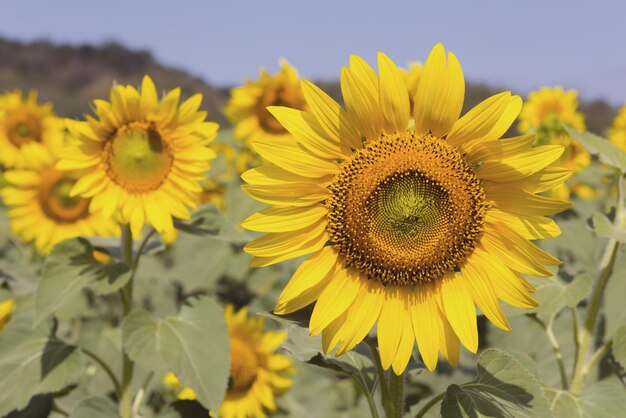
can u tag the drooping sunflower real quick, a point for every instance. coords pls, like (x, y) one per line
(406, 229)
(544, 113)
(247, 107)
(257, 374)
(617, 131)
(6, 309)
(140, 157)
(41, 209)
(26, 126)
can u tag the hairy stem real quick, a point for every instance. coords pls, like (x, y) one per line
(396, 394)
(127, 298)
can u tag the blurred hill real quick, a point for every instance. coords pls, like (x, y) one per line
(72, 76)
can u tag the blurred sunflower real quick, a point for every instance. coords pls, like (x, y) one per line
(41, 209)
(26, 126)
(140, 157)
(617, 131)
(408, 229)
(6, 309)
(544, 113)
(412, 76)
(256, 372)
(247, 108)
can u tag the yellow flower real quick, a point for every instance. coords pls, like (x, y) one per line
(544, 113)
(140, 157)
(6, 309)
(41, 209)
(407, 229)
(247, 111)
(256, 372)
(617, 131)
(26, 127)
(412, 76)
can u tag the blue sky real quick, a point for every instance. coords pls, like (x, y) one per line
(520, 45)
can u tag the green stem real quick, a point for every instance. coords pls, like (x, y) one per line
(107, 370)
(396, 394)
(382, 376)
(597, 356)
(127, 298)
(434, 401)
(556, 348)
(604, 272)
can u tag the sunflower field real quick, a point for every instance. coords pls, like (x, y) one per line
(384, 251)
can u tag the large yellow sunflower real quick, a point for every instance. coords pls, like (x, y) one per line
(617, 131)
(41, 209)
(247, 108)
(26, 126)
(6, 309)
(406, 229)
(544, 113)
(256, 372)
(140, 157)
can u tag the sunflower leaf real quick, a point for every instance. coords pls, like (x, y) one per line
(599, 400)
(95, 407)
(619, 345)
(33, 361)
(193, 345)
(71, 266)
(603, 226)
(210, 221)
(607, 152)
(504, 388)
(555, 294)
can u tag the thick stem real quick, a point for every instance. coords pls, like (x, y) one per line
(396, 394)
(126, 407)
(604, 272)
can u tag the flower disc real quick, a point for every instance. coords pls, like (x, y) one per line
(405, 209)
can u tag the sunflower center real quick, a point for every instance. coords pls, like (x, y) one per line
(137, 158)
(276, 97)
(406, 209)
(56, 202)
(23, 127)
(244, 364)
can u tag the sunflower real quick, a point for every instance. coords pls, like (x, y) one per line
(406, 229)
(544, 113)
(256, 372)
(617, 131)
(140, 157)
(41, 209)
(26, 126)
(6, 309)
(247, 108)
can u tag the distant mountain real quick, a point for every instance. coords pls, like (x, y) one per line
(72, 76)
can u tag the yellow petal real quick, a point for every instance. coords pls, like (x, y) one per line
(289, 194)
(291, 157)
(458, 306)
(448, 341)
(390, 325)
(407, 339)
(335, 299)
(424, 316)
(284, 219)
(440, 93)
(529, 227)
(394, 99)
(277, 243)
(363, 108)
(523, 164)
(521, 202)
(480, 120)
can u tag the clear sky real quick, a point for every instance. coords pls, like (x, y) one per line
(520, 44)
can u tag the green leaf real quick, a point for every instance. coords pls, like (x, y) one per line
(606, 151)
(603, 226)
(619, 345)
(555, 294)
(599, 400)
(67, 270)
(193, 345)
(209, 221)
(95, 407)
(32, 361)
(503, 389)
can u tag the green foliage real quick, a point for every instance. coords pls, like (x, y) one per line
(607, 152)
(34, 361)
(71, 266)
(95, 407)
(193, 345)
(600, 400)
(555, 294)
(503, 389)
